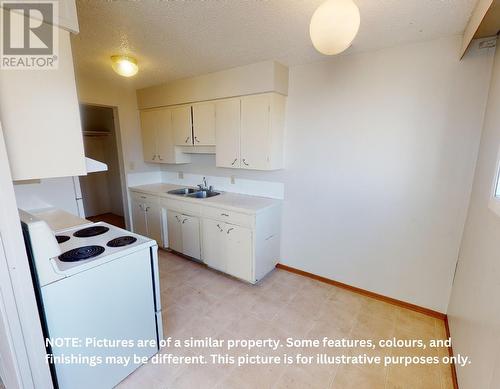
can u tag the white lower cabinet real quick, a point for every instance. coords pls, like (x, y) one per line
(146, 217)
(239, 252)
(214, 244)
(228, 248)
(184, 234)
(242, 243)
(139, 218)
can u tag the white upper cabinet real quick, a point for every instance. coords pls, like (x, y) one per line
(250, 130)
(149, 132)
(40, 119)
(204, 124)
(227, 125)
(182, 125)
(165, 137)
(158, 137)
(255, 127)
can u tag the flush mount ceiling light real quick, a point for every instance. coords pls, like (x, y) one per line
(125, 66)
(334, 26)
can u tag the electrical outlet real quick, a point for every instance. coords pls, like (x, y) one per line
(180, 175)
(233, 179)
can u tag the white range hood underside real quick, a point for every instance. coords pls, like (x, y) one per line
(95, 166)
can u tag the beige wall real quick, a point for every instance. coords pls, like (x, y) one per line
(380, 153)
(474, 314)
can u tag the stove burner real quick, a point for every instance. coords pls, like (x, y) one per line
(81, 253)
(121, 241)
(91, 231)
(62, 238)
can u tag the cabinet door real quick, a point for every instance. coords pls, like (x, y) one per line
(204, 124)
(139, 218)
(148, 132)
(181, 123)
(227, 133)
(255, 124)
(41, 121)
(214, 239)
(174, 231)
(165, 136)
(191, 236)
(239, 252)
(153, 220)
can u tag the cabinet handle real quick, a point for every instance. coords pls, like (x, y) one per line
(230, 229)
(245, 162)
(196, 139)
(147, 209)
(184, 221)
(232, 164)
(187, 139)
(224, 214)
(220, 229)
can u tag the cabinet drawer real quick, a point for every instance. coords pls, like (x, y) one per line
(143, 197)
(181, 206)
(231, 217)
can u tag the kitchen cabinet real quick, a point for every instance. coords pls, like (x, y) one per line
(214, 244)
(228, 248)
(227, 133)
(147, 217)
(204, 124)
(149, 135)
(39, 112)
(158, 143)
(139, 218)
(184, 234)
(174, 231)
(182, 125)
(243, 242)
(250, 132)
(238, 255)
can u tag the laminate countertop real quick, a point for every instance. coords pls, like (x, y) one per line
(227, 200)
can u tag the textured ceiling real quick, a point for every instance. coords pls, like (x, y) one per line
(176, 39)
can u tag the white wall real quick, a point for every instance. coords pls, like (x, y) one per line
(474, 314)
(380, 152)
(122, 96)
(50, 192)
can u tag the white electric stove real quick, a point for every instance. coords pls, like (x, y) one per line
(96, 284)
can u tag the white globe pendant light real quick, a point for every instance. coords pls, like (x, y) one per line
(334, 26)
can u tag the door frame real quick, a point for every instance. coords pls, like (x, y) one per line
(121, 161)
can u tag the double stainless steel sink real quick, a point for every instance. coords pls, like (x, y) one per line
(192, 192)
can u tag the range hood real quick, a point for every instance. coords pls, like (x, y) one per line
(95, 166)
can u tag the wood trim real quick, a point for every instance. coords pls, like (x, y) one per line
(450, 352)
(390, 300)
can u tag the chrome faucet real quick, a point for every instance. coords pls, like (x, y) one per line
(204, 185)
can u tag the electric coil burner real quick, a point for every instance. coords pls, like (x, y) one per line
(121, 241)
(81, 253)
(91, 231)
(62, 238)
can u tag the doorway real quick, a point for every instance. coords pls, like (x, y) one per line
(102, 191)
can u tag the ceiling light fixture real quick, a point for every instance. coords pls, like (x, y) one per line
(334, 26)
(124, 65)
